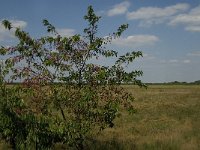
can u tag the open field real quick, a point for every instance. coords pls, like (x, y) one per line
(167, 118)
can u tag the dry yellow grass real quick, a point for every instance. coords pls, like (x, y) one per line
(168, 118)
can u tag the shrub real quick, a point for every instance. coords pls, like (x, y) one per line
(63, 97)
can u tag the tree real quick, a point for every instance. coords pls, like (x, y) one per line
(63, 97)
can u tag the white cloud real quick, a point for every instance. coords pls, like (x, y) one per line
(66, 32)
(18, 23)
(156, 15)
(186, 61)
(136, 41)
(5, 34)
(195, 53)
(190, 20)
(119, 9)
(176, 61)
(148, 56)
(173, 61)
(193, 28)
(101, 13)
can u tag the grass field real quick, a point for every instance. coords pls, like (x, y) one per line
(167, 118)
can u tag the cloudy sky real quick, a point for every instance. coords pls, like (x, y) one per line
(167, 31)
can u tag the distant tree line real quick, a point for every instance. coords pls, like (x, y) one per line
(177, 83)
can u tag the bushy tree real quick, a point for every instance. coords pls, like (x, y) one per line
(63, 97)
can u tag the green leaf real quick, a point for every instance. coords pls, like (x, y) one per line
(50, 27)
(7, 24)
(3, 50)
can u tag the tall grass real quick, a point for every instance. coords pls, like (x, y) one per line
(167, 118)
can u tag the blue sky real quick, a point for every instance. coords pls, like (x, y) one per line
(168, 32)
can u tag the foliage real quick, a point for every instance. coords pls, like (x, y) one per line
(63, 96)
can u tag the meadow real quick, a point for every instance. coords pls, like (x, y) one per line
(167, 118)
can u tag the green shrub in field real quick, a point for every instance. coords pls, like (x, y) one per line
(63, 97)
